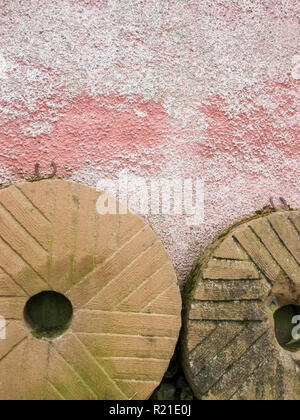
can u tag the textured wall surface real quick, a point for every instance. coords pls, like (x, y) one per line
(164, 88)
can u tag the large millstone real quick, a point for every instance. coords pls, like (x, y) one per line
(110, 270)
(230, 350)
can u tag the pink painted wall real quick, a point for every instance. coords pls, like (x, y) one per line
(165, 88)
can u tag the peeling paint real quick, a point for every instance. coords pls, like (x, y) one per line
(165, 88)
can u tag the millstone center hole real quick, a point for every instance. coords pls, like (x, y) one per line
(48, 314)
(287, 327)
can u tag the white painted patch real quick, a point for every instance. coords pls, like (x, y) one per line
(296, 67)
(3, 67)
(2, 328)
(6, 176)
(141, 114)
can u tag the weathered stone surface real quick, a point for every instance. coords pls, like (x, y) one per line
(119, 279)
(229, 348)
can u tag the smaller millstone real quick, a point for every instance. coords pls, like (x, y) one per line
(229, 344)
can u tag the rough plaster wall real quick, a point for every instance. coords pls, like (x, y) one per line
(165, 88)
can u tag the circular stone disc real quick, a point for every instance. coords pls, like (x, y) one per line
(229, 346)
(119, 279)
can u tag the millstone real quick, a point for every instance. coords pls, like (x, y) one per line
(229, 346)
(110, 270)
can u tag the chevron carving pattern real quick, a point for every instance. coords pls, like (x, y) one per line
(119, 279)
(229, 345)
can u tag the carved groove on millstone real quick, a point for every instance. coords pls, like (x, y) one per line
(119, 279)
(229, 348)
